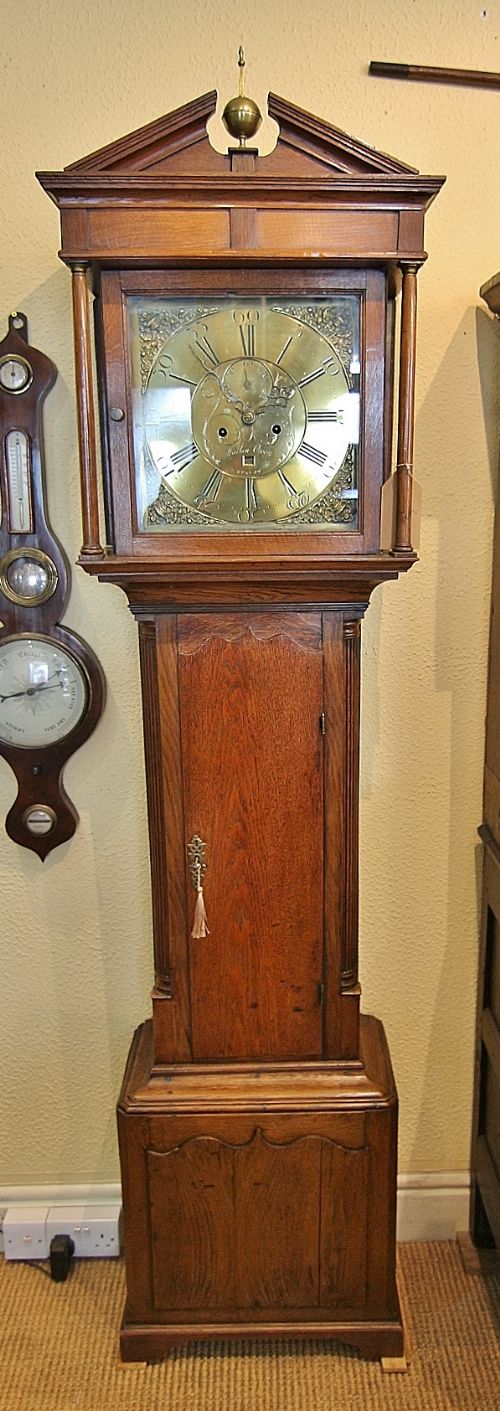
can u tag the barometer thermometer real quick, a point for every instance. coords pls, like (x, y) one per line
(17, 461)
(51, 684)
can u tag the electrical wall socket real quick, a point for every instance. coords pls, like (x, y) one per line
(94, 1229)
(25, 1232)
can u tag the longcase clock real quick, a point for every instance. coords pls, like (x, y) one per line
(245, 350)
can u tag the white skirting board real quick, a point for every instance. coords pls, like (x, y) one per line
(432, 1205)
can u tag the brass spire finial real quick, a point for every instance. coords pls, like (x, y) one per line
(241, 115)
(241, 66)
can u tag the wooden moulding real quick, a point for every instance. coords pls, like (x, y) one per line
(352, 643)
(152, 745)
(237, 1087)
(145, 1344)
(350, 989)
(404, 470)
(91, 546)
(170, 584)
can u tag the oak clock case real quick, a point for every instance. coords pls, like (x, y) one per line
(51, 684)
(244, 313)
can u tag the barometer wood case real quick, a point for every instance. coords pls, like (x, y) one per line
(51, 684)
(245, 352)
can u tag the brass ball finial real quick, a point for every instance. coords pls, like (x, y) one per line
(241, 115)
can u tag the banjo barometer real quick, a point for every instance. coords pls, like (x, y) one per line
(244, 315)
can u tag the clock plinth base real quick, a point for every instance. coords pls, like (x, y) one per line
(375, 1341)
(259, 1201)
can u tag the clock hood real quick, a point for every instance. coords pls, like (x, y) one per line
(171, 164)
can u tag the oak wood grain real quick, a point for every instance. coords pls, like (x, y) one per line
(172, 1019)
(156, 810)
(304, 629)
(345, 1197)
(334, 763)
(352, 642)
(277, 1212)
(191, 1193)
(249, 710)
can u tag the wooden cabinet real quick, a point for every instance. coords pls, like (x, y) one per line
(245, 352)
(485, 1193)
(269, 1195)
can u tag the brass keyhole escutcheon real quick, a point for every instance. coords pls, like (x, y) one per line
(197, 849)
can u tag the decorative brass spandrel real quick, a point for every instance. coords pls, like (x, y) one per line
(328, 319)
(167, 509)
(332, 507)
(156, 327)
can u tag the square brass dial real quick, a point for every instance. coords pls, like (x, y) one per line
(246, 411)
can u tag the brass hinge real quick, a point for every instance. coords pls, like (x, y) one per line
(322, 723)
(320, 992)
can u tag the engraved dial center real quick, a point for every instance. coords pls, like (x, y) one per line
(247, 414)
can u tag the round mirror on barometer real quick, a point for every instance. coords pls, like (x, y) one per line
(17, 456)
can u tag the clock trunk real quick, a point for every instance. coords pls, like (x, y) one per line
(251, 698)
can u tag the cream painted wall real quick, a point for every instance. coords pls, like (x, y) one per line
(75, 932)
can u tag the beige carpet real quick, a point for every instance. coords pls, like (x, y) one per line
(59, 1350)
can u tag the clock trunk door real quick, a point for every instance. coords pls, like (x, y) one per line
(251, 699)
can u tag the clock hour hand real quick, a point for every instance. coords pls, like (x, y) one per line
(29, 691)
(12, 696)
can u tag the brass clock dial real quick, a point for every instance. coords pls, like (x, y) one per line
(248, 414)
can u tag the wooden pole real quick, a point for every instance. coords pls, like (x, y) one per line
(404, 467)
(91, 546)
(426, 73)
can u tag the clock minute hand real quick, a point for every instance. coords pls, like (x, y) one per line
(35, 690)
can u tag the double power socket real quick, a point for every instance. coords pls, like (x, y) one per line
(94, 1229)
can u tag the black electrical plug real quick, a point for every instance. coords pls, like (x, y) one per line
(62, 1249)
